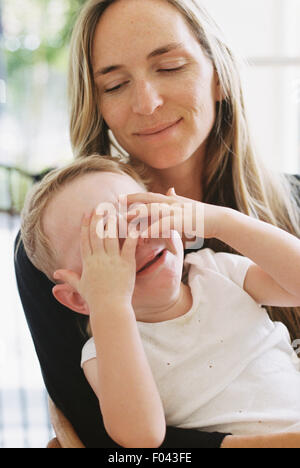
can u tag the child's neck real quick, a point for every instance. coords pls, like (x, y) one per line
(180, 307)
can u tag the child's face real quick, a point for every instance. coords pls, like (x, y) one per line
(62, 221)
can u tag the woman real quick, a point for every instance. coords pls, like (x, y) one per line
(156, 79)
(199, 90)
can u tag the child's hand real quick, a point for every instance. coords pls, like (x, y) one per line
(188, 217)
(108, 272)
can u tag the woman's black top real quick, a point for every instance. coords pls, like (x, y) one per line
(58, 336)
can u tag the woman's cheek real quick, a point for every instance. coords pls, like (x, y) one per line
(112, 111)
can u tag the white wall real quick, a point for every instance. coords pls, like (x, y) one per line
(260, 31)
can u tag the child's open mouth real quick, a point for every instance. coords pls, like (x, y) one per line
(153, 264)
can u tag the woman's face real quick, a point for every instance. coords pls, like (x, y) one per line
(157, 89)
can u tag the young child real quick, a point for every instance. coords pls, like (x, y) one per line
(198, 355)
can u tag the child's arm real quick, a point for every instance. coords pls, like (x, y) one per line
(274, 279)
(131, 407)
(122, 379)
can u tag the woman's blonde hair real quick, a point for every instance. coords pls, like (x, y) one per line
(37, 245)
(233, 175)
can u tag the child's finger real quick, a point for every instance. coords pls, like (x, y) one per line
(97, 233)
(150, 215)
(67, 276)
(163, 228)
(130, 245)
(138, 211)
(171, 192)
(154, 231)
(85, 246)
(111, 242)
(144, 197)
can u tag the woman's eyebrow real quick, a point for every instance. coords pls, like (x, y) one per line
(160, 51)
(165, 49)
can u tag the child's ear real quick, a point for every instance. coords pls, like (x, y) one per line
(69, 297)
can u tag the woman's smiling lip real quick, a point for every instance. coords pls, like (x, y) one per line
(157, 130)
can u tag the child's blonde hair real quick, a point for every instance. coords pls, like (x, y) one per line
(37, 246)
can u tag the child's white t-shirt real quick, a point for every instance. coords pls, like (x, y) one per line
(224, 366)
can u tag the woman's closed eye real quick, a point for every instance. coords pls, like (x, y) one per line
(164, 69)
(170, 70)
(116, 87)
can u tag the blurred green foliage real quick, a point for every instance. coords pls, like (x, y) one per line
(36, 35)
(36, 38)
(14, 186)
(52, 43)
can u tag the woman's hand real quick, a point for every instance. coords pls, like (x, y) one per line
(172, 212)
(108, 272)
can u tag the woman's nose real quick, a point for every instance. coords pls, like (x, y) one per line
(146, 98)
